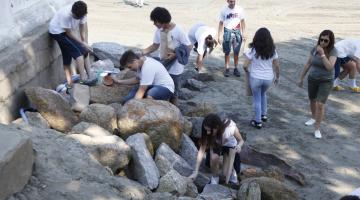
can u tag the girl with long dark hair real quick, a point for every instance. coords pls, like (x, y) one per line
(220, 137)
(262, 62)
(320, 80)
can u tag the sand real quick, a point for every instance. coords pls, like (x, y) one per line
(331, 165)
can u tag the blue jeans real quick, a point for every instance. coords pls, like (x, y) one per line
(259, 88)
(157, 92)
(338, 63)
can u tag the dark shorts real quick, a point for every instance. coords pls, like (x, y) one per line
(339, 62)
(319, 90)
(69, 47)
(222, 151)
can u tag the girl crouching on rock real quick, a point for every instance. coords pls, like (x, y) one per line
(220, 137)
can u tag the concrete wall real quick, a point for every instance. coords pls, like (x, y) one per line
(28, 57)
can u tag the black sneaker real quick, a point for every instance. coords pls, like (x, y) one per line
(227, 73)
(255, 124)
(89, 82)
(236, 72)
(264, 118)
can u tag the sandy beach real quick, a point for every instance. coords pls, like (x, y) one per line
(331, 165)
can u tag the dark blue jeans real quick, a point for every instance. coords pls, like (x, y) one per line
(157, 92)
(339, 62)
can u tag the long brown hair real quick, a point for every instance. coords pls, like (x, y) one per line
(212, 121)
(330, 46)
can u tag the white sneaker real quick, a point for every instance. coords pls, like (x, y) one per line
(233, 177)
(214, 180)
(310, 122)
(317, 134)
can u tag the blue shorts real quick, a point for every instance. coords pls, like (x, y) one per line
(339, 62)
(231, 38)
(69, 47)
(157, 92)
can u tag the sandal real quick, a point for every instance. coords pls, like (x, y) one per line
(256, 124)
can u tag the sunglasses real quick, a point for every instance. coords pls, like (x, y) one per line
(324, 40)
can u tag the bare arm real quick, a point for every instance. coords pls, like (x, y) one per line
(220, 32)
(239, 139)
(246, 64)
(83, 28)
(141, 92)
(199, 61)
(243, 28)
(150, 49)
(83, 35)
(305, 71)
(199, 158)
(329, 62)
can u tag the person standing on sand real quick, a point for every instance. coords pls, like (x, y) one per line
(320, 80)
(262, 59)
(62, 29)
(168, 37)
(348, 53)
(231, 33)
(202, 37)
(220, 137)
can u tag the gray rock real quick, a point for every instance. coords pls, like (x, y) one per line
(108, 94)
(197, 124)
(53, 107)
(249, 191)
(101, 115)
(166, 159)
(109, 50)
(89, 129)
(64, 170)
(196, 109)
(34, 119)
(160, 196)
(186, 94)
(142, 166)
(272, 189)
(216, 191)
(104, 65)
(194, 85)
(110, 151)
(81, 95)
(161, 120)
(188, 150)
(16, 161)
(173, 183)
(204, 77)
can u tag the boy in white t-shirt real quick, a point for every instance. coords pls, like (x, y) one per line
(231, 32)
(154, 81)
(168, 36)
(202, 37)
(62, 28)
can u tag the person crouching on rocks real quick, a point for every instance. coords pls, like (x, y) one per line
(202, 37)
(154, 80)
(321, 63)
(220, 137)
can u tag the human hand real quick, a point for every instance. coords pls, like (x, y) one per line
(320, 50)
(87, 47)
(276, 81)
(220, 40)
(193, 175)
(170, 55)
(238, 148)
(300, 83)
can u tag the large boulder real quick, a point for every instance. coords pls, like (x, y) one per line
(197, 126)
(33, 119)
(161, 120)
(166, 159)
(53, 107)
(216, 191)
(108, 94)
(106, 65)
(89, 129)
(110, 151)
(196, 109)
(176, 184)
(16, 161)
(108, 50)
(101, 115)
(142, 166)
(249, 191)
(271, 172)
(64, 170)
(188, 150)
(81, 95)
(272, 189)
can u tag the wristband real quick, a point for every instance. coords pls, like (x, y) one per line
(322, 56)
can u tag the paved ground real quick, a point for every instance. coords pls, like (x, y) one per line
(332, 164)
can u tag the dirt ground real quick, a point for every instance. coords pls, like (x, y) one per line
(332, 164)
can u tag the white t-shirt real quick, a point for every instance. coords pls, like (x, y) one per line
(348, 47)
(356, 192)
(177, 37)
(64, 19)
(198, 33)
(259, 68)
(153, 72)
(232, 17)
(228, 137)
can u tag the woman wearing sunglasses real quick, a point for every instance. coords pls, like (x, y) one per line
(320, 80)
